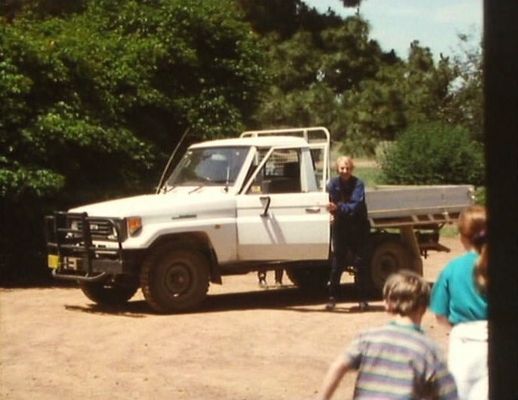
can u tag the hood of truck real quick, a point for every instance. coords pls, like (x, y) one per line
(170, 205)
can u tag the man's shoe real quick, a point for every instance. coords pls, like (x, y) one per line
(363, 306)
(331, 304)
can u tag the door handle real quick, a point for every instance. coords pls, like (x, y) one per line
(313, 210)
(267, 206)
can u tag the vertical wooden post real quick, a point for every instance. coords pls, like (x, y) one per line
(501, 137)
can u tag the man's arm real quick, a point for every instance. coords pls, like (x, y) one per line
(334, 375)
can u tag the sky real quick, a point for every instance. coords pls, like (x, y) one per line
(435, 23)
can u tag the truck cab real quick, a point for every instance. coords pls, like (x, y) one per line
(228, 207)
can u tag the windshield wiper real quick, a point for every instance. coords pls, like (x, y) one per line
(166, 188)
(196, 189)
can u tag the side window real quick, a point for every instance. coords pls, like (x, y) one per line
(317, 156)
(280, 173)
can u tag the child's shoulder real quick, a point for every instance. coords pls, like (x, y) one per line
(397, 333)
(464, 259)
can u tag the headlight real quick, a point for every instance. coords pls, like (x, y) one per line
(134, 225)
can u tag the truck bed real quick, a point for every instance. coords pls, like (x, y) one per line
(392, 206)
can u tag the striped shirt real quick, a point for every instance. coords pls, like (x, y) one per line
(399, 362)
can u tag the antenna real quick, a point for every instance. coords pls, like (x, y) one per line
(169, 162)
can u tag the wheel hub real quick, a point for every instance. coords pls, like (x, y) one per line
(389, 264)
(177, 279)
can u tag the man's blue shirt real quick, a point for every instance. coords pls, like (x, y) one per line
(349, 196)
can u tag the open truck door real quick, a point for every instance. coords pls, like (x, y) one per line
(281, 211)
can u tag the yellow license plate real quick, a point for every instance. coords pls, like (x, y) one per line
(53, 261)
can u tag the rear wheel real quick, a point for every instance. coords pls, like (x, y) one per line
(310, 278)
(109, 293)
(175, 280)
(387, 258)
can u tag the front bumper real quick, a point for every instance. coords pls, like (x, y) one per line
(83, 269)
(78, 251)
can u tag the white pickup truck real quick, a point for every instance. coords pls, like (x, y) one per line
(233, 206)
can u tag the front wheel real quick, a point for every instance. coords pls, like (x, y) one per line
(109, 293)
(175, 280)
(388, 257)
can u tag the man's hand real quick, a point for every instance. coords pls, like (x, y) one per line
(331, 207)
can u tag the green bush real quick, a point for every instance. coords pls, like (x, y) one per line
(433, 153)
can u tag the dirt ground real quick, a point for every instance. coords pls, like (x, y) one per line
(245, 343)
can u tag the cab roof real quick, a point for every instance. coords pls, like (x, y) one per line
(261, 141)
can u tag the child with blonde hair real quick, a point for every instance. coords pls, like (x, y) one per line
(397, 360)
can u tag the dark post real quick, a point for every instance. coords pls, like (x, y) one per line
(501, 137)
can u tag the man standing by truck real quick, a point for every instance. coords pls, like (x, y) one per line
(350, 230)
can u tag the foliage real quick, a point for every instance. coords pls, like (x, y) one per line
(370, 175)
(374, 111)
(284, 18)
(92, 99)
(95, 93)
(316, 76)
(341, 78)
(92, 84)
(399, 94)
(466, 106)
(434, 153)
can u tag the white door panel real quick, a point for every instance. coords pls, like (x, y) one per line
(296, 226)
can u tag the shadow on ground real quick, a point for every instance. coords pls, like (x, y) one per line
(289, 298)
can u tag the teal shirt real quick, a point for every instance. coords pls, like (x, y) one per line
(455, 294)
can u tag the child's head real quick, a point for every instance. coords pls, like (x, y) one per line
(406, 293)
(472, 226)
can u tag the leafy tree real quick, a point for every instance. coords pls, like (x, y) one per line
(425, 84)
(434, 153)
(314, 73)
(375, 111)
(294, 63)
(352, 3)
(401, 93)
(40, 8)
(315, 106)
(284, 18)
(349, 55)
(466, 105)
(91, 100)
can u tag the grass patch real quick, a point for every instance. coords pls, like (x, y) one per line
(368, 171)
(449, 231)
(369, 175)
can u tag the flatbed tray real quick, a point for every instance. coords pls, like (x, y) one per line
(417, 205)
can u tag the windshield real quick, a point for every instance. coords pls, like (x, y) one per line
(208, 166)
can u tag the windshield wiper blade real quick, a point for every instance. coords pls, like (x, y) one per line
(196, 189)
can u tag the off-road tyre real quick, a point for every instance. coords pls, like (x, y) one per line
(388, 257)
(174, 280)
(109, 293)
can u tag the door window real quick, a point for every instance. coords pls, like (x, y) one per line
(280, 173)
